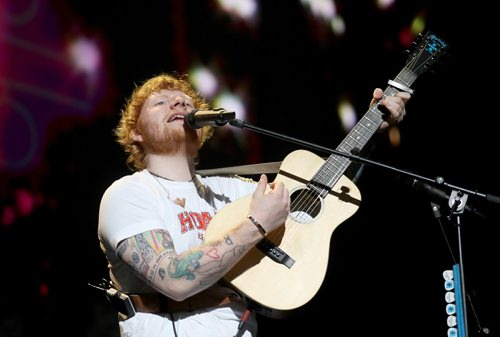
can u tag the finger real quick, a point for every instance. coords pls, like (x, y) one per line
(261, 185)
(278, 187)
(287, 199)
(405, 97)
(378, 94)
(384, 125)
(394, 106)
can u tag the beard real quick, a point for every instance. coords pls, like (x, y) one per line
(165, 141)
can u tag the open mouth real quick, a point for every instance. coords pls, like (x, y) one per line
(176, 117)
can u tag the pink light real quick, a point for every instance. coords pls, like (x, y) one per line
(406, 37)
(85, 55)
(8, 216)
(44, 289)
(25, 202)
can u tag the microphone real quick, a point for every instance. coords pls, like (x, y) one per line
(217, 117)
(429, 189)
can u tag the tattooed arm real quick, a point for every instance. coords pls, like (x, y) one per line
(152, 254)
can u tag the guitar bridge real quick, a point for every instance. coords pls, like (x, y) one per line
(275, 253)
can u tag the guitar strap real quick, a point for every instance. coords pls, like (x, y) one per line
(271, 167)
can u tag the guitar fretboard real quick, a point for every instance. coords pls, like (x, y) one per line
(336, 165)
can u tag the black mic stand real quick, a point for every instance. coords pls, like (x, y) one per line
(457, 201)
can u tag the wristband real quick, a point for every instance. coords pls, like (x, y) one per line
(258, 225)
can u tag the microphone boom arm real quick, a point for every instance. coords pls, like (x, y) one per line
(438, 181)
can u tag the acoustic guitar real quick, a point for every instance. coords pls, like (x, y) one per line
(285, 270)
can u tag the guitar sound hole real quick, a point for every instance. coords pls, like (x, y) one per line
(305, 205)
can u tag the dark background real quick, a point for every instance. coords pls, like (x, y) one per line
(386, 261)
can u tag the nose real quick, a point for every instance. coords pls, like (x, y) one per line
(179, 103)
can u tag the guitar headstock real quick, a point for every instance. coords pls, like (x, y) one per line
(426, 51)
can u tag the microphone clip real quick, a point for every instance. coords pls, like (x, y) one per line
(457, 202)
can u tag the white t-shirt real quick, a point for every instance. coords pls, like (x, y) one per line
(142, 202)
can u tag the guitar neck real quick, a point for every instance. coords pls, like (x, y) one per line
(336, 165)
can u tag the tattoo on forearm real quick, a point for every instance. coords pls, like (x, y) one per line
(178, 268)
(147, 252)
(212, 270)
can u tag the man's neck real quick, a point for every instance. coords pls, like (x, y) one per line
(175, 167)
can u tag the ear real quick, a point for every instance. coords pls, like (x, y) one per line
(136, 136)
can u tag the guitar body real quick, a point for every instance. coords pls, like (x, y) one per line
(304, 237)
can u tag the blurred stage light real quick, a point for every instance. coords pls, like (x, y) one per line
(325, 11)
(394, 136)
(205, 81)
(347, 115)
(85, 56)
(231, 102)
(244, 9)
(384, 4)
(322, 9)
(337, 25)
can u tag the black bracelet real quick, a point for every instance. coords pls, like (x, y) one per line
(258, 225)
